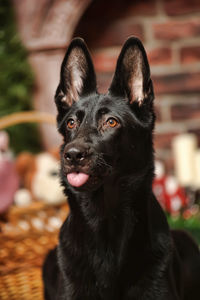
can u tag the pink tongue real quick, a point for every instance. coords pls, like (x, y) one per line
(77, 179)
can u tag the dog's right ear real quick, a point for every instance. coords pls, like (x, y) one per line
(77, 77)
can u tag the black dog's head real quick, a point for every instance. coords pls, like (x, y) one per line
(104, 135)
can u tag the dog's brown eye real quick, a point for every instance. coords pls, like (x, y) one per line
(71, 123)
(112, 122)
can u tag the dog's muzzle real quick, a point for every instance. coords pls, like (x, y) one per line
(76, 158)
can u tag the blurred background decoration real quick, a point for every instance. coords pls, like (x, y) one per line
(34, 36)
(16, 81)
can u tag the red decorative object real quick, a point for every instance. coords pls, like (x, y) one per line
(169, 193)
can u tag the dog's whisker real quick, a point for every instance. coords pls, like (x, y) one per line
(101, 161)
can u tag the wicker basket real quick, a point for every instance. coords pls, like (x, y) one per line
(22, 285)
(26, 235)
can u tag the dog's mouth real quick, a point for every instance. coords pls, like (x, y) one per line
(87, 176)
(76, 179)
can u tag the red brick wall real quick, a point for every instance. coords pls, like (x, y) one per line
(170, 31)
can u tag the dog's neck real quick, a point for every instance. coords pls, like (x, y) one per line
(123, 199)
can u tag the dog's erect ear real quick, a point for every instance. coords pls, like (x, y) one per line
(132, 75)
(77, 77)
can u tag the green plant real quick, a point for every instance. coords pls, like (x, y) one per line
(16, 81)
(191, 225)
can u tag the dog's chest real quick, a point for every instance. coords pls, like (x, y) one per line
(93, 268)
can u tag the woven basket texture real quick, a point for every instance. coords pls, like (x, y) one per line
(26, 235)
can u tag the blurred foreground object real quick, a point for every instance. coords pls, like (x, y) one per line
(39, 175)
(9, 181)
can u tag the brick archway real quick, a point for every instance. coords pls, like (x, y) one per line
(46, 27)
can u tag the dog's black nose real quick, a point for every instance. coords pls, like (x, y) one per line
(75, 155)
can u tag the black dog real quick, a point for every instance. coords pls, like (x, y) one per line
(115, 243)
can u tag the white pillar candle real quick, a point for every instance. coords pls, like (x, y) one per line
(197, 168)
(184, 147)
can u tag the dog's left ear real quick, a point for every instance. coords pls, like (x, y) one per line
(132, 75)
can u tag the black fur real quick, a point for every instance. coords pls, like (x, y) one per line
(115, 243)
